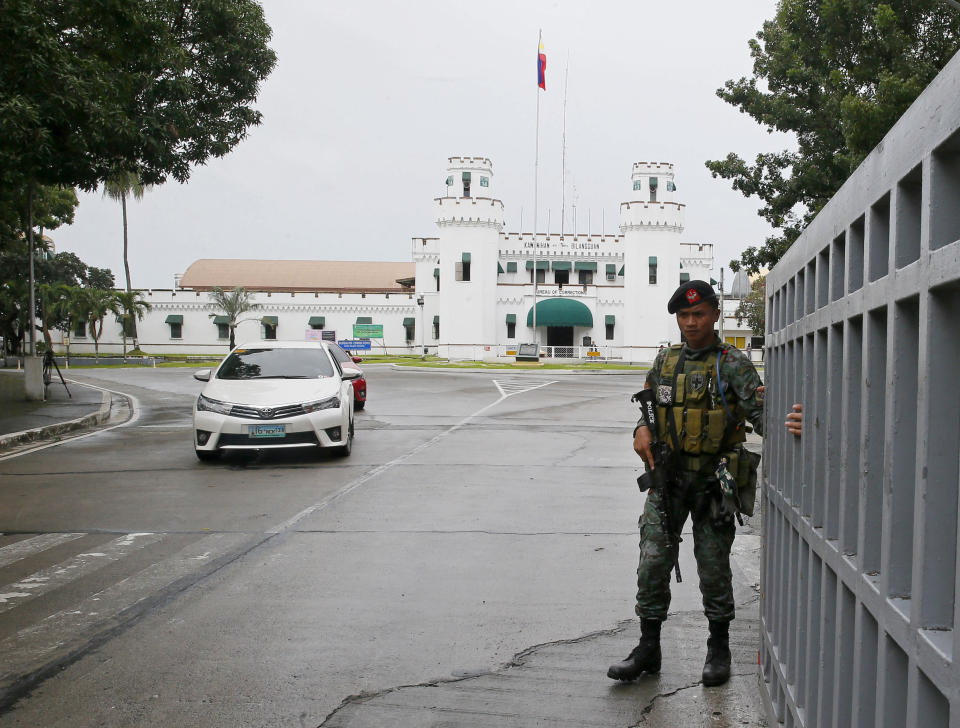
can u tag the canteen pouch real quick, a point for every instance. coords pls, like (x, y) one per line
(743, 466)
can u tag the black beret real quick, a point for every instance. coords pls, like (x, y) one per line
(690, 294)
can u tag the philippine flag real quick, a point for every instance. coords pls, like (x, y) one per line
(542, 69)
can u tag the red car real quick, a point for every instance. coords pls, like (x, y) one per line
(348, 362)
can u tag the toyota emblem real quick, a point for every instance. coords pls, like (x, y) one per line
(266, 412)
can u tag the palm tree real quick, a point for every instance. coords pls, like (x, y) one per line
(76, 312)
(54, 308)
(232, 304)
(132, 307)
(96, 303)
(117, 187)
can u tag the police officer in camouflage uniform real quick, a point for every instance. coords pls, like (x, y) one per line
(704, 390)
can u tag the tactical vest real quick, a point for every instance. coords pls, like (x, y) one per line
(702, 425)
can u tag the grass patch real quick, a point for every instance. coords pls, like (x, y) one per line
(521, 367)
(160, 365)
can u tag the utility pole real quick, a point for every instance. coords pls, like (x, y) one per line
(721, 304)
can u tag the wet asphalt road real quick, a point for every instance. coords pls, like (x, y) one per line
(478, 516)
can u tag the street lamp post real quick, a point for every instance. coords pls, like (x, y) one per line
(423, 331)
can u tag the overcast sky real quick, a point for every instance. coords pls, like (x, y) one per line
(369, 99)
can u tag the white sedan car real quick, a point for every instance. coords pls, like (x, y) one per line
(274, 394)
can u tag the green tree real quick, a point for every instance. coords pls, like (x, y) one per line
(158, 86)
(753, 307)
(93, 306)
(117, 187)
(14, 304)
(837, 74)
(92, 87)
(54, 300)
(232, 304)
(132, 308)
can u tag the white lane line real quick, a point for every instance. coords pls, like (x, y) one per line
(63, 573)
(134, 416)
(23, 650)
(30, 546)
(354, 484)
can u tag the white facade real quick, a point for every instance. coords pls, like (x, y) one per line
(597, 295)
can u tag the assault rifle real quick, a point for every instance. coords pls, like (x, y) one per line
(662, 476)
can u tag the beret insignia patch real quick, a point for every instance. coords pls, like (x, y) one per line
(692, 295)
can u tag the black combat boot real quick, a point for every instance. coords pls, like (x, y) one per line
(716, 670)
(645, 657)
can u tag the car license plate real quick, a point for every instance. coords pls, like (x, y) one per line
(268, 430)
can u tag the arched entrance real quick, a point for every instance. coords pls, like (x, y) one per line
(559, 316)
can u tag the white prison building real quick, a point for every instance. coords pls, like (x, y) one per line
(468, 292)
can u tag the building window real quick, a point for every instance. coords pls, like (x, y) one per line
(176, 331)
(561, 276)
(637, 184)
(436, 327)
(466, 184)
(511, 331)
(269, 331)
(653, 189)
(484, 181)
(80, 330)
(461, 271)
(586, 277)
(609, 328)
(409, 332)
(653, 271)
(127, 328)
(541, 275)
(223, 331)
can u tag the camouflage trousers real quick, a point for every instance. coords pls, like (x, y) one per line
(712, 542)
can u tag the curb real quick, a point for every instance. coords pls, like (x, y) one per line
(48, 431)
(523, 372)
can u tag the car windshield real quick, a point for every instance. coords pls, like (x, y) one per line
(276, 364)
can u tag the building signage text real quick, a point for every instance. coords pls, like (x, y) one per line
(562, 245)
(557, 291)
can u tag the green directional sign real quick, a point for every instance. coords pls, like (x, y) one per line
(368, 331)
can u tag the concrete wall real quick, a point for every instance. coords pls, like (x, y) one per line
(293, 311)
(860, 569)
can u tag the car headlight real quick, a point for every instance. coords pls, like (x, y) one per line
(321, 404)
(205, 404)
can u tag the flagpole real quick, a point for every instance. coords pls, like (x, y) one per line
(536, 188)
(563, 155)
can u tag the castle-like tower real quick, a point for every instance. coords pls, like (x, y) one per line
(470, 220)
(651, 224)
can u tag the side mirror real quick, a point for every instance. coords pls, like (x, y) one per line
(349, 374)
(357, 359)
(202, 375)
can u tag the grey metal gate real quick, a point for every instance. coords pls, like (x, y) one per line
(860, 566)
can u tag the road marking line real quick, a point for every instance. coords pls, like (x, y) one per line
(134, 416)
(55, 576)
(30, 546)
(354, 484)
(26, 648)
(509, 387)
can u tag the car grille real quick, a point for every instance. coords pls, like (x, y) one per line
(291, 438)
(266, 413)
